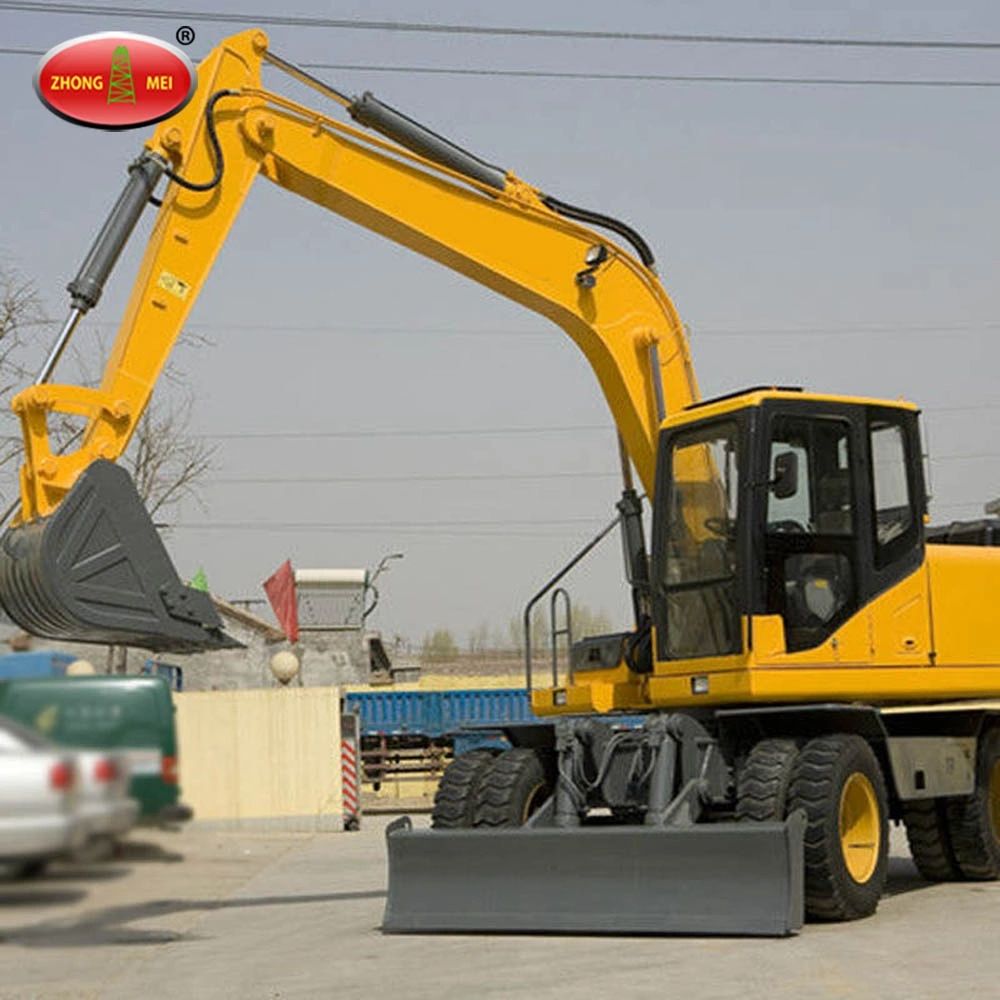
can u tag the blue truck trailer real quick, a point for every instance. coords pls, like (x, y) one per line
(413, 735)
(34, 663)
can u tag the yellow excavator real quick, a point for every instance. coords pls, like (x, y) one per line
(810, 661)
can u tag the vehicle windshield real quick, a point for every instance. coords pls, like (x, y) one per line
(699, 561)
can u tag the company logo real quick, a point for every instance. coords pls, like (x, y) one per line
(115, 80)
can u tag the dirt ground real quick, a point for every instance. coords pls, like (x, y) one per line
(202, 913)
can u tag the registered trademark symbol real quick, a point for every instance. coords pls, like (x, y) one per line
(185, 34)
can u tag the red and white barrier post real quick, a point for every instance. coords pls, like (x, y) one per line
(350, 753)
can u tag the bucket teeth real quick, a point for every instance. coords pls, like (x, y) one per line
(97, 571)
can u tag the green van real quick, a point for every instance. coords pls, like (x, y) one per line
(133, 716)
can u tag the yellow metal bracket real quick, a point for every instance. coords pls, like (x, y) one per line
(52, 474)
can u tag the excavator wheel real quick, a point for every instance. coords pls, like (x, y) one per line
(974, 822)
(455, 799)
(930, 840)
(513, 787)
(763, 779)
(839, 785)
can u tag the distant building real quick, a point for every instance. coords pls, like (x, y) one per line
(327, 657)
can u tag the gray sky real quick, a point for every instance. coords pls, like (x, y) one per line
(844, 239)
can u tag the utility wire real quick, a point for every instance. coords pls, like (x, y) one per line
(417, 478)
(408, 432)
(694, 331)
(441, 28)
(472, 477)
(798, 81)
(388, 525)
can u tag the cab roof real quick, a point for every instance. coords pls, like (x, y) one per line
(758, 394)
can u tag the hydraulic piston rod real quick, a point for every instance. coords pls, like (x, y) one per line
(86, 288)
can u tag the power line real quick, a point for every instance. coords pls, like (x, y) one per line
(540, 74)
(973, 408)
(800, 81)
(695, 331)
(505, 535)
(847, 331)
(418, 527)
(441, 28)
(461, 477)
(418, 478)
(408, 432)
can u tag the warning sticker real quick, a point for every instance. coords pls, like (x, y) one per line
(171, 283)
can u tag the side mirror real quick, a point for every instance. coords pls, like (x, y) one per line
(786, 475)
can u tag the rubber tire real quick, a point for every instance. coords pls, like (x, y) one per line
(818, 778)
(974, 842)
(514, 786)
(930, 840)
(455, 799)
(763, 780)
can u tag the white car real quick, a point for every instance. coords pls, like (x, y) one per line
(100, 802)
(38, 816)
(102, 799)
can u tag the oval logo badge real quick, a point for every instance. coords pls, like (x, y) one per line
(115, 80)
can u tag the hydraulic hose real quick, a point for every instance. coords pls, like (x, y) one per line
(605, 222)
(213, 141)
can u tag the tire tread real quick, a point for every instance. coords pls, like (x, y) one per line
(813, 790)
(764, 780)
(929, 838)
(496, 801)
(455, 799)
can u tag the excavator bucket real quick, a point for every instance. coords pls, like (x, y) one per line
(712, 878)
(97, 571)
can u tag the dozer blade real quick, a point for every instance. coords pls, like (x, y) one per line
(718, 878)
(97, 571)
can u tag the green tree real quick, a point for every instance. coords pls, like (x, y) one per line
(479, 638)
(585, 622)
(438, 647)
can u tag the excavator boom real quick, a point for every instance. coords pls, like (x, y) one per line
(89, 577)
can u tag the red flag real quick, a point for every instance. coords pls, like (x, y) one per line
(280, 590)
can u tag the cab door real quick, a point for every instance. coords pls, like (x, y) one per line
(813, 550)
(897, 587)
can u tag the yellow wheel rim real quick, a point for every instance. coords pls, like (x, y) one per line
(995, 799)
(531, 803)
(861, 827)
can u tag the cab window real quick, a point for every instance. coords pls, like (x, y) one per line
(699, 558)
(810, 543)
(894, 515)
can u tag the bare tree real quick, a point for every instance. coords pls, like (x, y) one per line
(20, 310)
(166, 460)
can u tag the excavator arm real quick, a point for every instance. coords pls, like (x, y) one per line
(78, 520)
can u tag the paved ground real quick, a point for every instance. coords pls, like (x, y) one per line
(204, 914)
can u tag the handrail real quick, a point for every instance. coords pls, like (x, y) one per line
(555, 633)
(530, 606)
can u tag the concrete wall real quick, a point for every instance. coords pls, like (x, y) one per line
(326, 659)
(263, 757)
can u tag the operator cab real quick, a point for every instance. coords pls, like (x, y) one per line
(779, 502)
